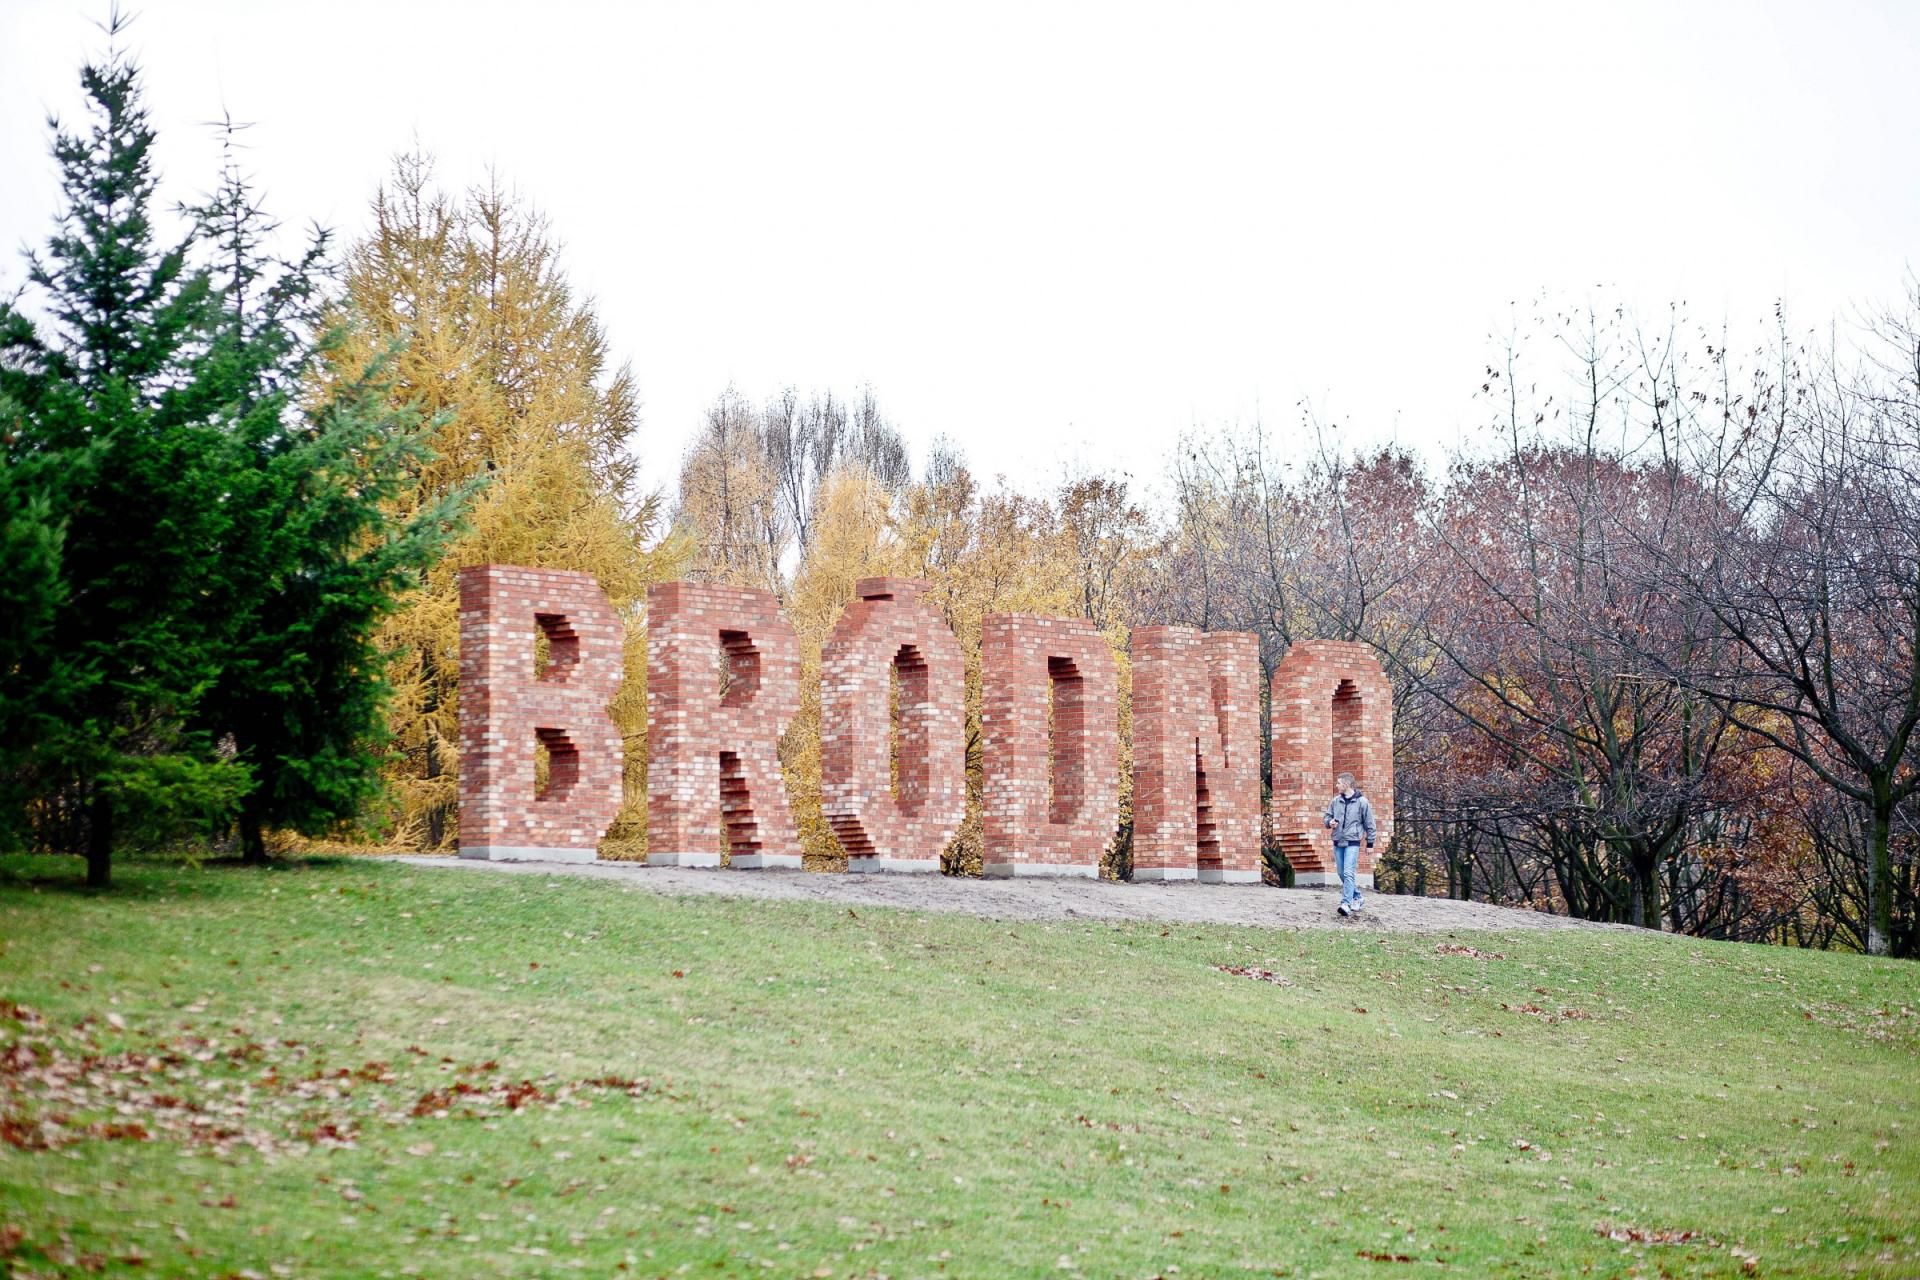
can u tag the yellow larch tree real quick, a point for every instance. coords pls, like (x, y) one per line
(981, 553)
(852, 538)
(1109, 542)
(466, 299)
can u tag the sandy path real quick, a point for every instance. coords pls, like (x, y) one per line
(1046, 899)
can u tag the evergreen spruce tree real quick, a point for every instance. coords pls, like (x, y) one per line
(103, 416)
(317, 559)
(31, 593)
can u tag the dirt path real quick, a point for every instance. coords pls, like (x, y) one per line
(1047, 899)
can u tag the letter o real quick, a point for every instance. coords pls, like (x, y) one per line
(885, 825)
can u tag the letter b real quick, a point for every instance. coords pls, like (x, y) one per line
(509, 712)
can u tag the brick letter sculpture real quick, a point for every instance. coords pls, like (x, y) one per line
(1196, 755)
(1051, 794)
(723, 680)
(505, 710)
(1332, 714)
(884, 824)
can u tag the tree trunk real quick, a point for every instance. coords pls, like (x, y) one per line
(437, 814)
(253, 840)
(1460, 874)
(100, 843)
(1880, 878)
(1678, 897)
(1645, 908)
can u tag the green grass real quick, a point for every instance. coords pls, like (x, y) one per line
(797, 1090)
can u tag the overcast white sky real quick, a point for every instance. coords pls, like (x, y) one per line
(1052, 231)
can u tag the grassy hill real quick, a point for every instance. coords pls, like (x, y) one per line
(355, 1068)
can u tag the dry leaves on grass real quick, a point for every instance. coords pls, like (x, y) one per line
(1886, 1023)
(1658, 1235)
(1749, 1261)
(220, 1088)
(1547, 1015)
(471, 1100)
(1472, 953)
(1256, 973)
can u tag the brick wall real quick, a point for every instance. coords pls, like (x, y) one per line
(888, 628)
(505, 710)
(1051, 793)
(1196, 754)
(1332, 710)
(723, 682)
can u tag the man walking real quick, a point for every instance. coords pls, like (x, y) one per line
(1350, 818)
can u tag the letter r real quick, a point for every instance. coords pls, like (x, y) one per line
(723, 682)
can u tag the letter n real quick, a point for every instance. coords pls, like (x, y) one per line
(1196, 754)
(511, 712)
(723, 682)
(1332, 714)
(1048, 715)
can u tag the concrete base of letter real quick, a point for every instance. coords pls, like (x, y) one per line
(1165, 873)
(669, 859)
(525, 853)
(1213, 875)
(1322, 879)
(1021, 870)
(915, 865)
(764, 862)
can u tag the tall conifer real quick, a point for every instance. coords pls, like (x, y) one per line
(318, 556)
(101, 395)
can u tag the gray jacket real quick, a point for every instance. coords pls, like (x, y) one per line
(1351, 818)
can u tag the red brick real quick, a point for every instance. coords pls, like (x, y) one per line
(887, 627)
(723, 682)
(505, 710)
(1051, 798)
(1196, 754)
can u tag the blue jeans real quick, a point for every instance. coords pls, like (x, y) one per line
(1346, 859)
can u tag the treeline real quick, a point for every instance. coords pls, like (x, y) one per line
(1654, 649)
(1652, 636)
